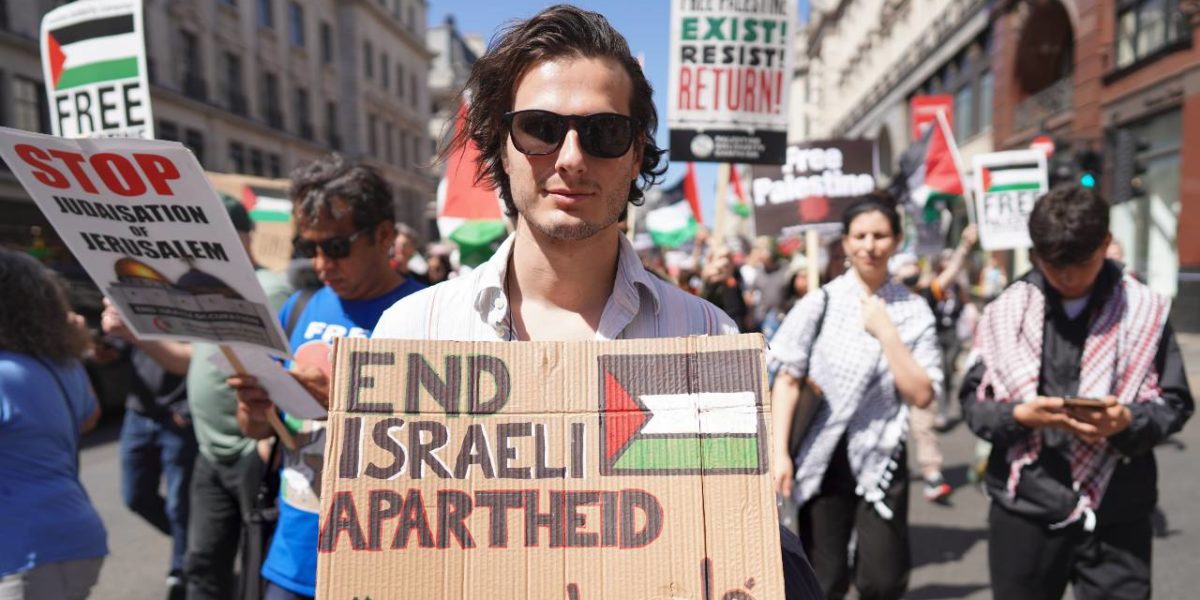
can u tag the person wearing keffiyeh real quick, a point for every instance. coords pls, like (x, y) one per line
(1072, 487)
(876, 354)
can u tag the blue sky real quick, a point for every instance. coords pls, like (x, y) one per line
(645, 23)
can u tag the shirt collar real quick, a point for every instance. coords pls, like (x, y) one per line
(491, 302)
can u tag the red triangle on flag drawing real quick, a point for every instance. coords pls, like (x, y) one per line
(623, 417)
(57, 58)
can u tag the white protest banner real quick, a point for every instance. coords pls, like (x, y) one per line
(1007, 184)
(146, 225)
(730, 73)
(94, 64)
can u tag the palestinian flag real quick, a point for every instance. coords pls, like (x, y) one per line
(469, 213)
(266, 205)
(739, 206)
(674, 414)
(930, 175)
(94, 51)
(673, 221)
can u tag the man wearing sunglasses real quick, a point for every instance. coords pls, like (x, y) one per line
(344, 223)
(564, 120)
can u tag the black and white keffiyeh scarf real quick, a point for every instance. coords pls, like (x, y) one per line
(862, 402)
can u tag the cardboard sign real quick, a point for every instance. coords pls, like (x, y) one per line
(813, 188)
(730, 76)
(94, 64)
(145, 224)
(1007, 184)
(584, 470)
(924, 110)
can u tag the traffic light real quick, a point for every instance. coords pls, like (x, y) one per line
(1060, 169)
(1090, 163)
(1128, 170)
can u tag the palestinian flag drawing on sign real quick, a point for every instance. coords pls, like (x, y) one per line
(92, 51)
(1012, 178)
(679, 414)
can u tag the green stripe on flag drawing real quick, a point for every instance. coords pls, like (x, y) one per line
(690, 453)
(1014, 187)
(108, 70)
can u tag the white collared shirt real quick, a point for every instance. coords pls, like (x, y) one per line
(474, 307)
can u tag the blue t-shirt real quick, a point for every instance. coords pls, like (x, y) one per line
(46, 515)
(292, 560)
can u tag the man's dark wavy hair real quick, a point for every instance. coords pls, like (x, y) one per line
(561, 31)
(317, 186)
(1068, 225)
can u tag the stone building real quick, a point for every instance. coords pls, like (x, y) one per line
(255, 87)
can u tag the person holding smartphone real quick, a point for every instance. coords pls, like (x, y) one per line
(1074, 377)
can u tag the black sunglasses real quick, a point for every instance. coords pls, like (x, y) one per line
(334, 247)
(541, 132)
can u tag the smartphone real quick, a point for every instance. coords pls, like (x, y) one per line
(1084, 403)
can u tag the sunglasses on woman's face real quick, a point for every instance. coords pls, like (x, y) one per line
(541, 132)
(333, 247)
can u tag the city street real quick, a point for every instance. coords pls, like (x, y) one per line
(949, 542)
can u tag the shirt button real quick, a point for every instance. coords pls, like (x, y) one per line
(499, 303)
(501, 331)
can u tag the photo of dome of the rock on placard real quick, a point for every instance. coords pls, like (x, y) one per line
(196, 303)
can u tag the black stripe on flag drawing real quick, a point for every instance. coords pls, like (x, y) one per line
(682, 414)
(93, 29)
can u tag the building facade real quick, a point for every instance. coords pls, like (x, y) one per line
(256, 87)
(866, 59)
(1119, 78)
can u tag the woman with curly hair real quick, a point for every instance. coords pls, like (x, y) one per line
(54, 542)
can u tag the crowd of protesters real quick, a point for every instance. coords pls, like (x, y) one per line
(1073, 373)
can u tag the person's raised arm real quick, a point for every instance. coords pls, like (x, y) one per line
(957, 261)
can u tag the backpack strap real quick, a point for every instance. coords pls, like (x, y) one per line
(306, 294)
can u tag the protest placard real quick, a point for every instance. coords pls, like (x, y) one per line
(94, 65)
(730, 76)
(145, 224)
(813, 188)
(1007, 184)
(574, 470)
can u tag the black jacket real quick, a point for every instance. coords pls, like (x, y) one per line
(1044, 492)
